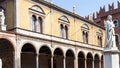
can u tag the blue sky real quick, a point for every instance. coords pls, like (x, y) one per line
(84, 7)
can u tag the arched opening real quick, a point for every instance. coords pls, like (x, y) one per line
(98, 38)
(66, 32)
(81, 60)
(7, 53)
(40, 25)
(34, 19)
(86, 37)
(117, 40)
(102, 64)
(100, 41)
(62, 31)
(70, 59)
(44, 57)
(89, 60)
(58, 58)
(96, 61)
(28, 56)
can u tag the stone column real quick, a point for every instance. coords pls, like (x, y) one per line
(76, 62)
(52, 61)
(37, 61)
(85, 63)
(17, 59)
(111, 58)
(93, 63)
(64, 61)
(100, 63)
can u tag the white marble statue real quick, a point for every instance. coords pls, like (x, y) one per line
(0, 63)
(110, 33)
(2, 17)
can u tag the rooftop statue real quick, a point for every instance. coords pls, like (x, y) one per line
(2, 17)
(110, 33)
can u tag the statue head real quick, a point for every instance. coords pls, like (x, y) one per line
(109, 17)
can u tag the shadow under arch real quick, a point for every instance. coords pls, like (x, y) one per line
(7, 51)
(70, 56)
(28, 56)
(81, 60)
(102, 63)
(96, 61)
(44, 57)
(58, 58)
(89, 60)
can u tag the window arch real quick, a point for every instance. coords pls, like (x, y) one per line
(62, 30)
(66, 32)
(34, 23)
(64, 19)
(85, 27)
(37, 8)
(64, 27)
(85, 31)
(40, 25)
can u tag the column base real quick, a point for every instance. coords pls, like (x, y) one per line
(111, 58)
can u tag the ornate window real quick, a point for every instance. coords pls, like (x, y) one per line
(115, 22)
(85, 31)
(99, 37)
(38, 15)
(64, 27)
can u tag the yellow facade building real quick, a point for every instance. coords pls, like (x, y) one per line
(40, 34)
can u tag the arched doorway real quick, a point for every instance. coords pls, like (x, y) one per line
(58, 58)
(44, 57)
(81, 60)
(7, 53)
(102, 64)
(89, 60)
(70, 59)
(96, 61)
(28, 56)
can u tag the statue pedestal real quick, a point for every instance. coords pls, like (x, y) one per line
(3, 27)
(111, 58)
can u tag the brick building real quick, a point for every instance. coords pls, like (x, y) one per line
(100, 16)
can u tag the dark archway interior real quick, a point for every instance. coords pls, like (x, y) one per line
(70, 59)
(58, 58)
(96, 61)
(81, 60)
(89, 60)
(102, 64)
(44, 57)
(6, 53)
(28, 56)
